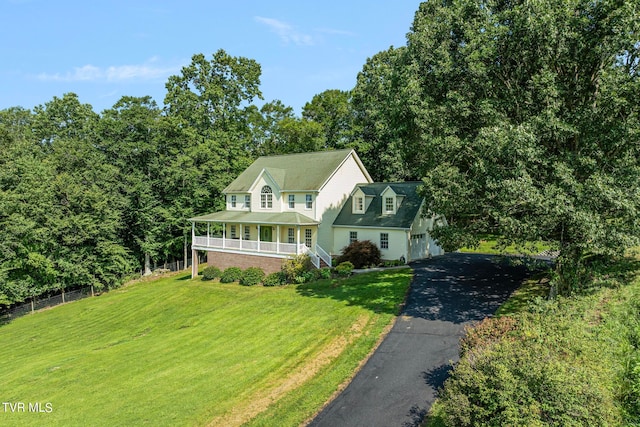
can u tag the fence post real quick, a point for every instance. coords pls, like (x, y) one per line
(63, 295)
(32, 308)
(92, 290)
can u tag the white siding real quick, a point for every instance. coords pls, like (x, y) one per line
(256, 194)
(332, 196)
(398, 244)
(422, 226)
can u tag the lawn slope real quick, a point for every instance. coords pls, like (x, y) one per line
(177, 351)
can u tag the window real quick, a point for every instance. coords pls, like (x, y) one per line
(291, 237)
(384, 240)
(353, 236)
(292, 201)
(307, 237)
(247, 201)
(358, 204)
(247, 232)
(266, 198)
(309, 201)
(388, 204)
(233, 201)
(233, 232)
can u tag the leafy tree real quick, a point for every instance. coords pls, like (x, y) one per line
(381, 125)
(527, 121)
(64, 117)
(130, 141)
(209, 104)
(332, 109)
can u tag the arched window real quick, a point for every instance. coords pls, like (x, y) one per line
(266, 197)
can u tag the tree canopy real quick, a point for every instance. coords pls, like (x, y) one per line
(527, 121)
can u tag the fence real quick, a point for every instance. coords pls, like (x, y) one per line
(38, 303)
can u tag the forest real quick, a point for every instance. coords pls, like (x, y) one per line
(526, 129)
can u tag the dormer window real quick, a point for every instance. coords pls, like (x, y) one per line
(233, 201)
(266, 197)
(358, 202)
(247, 201)
(389, 204)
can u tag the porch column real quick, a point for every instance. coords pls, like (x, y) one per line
(278, 238)
(193, 232)
(224, 233)
(241, 233)
(297, 240)
(258, 237)
(208, 235)
(194, 263)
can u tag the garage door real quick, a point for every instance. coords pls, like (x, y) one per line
(418, 246)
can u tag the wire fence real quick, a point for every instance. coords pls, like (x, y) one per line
(40, 302)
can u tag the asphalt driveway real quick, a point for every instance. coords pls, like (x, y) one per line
(398, 384)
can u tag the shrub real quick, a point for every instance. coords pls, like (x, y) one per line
(344, 268)
(325, 273)
(210, 273)
(274, 279)
(361, 253)
(231, 274)
(296, 267)
(252, 276)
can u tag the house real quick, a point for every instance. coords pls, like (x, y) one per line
(313, 203)
(278, 207)
(389, 215)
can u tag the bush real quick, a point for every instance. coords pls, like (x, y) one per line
(274, 279)
(344, 268)
(361, 253)
(231, 274)
(296, 267)
(210, 273)
(325, 273)
(252, 276)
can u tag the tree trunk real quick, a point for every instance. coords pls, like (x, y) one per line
(147, 264)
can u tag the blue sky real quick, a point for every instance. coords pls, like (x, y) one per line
(103, 50)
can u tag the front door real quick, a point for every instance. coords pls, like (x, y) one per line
(266, 234)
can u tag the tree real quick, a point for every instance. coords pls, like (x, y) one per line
(527, 115)
(129, 134)
(64, 117)
(332, 109)
(210, 106)
(381, 125)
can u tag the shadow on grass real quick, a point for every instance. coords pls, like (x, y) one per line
(380, 292)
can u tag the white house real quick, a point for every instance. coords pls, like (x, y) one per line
(312, 203)
(278, 207)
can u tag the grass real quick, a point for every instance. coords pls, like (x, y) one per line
(490, 245)
(177, 351)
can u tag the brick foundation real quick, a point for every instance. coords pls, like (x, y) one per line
(224, 260)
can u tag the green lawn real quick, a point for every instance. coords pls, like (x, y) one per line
(489, 245)
(177, 351)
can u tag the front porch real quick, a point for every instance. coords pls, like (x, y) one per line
(258, 235)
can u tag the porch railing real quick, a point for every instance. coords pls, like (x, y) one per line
(245, 245)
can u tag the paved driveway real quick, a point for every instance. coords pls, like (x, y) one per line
(397, 386)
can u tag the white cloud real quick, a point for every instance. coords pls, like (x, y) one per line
(115, 73)
(286, 32)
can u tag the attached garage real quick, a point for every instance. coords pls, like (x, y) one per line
(389, 215)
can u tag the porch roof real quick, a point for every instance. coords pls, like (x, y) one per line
(244, 217)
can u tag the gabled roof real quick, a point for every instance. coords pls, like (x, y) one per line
(373, 217)
(294, 172)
